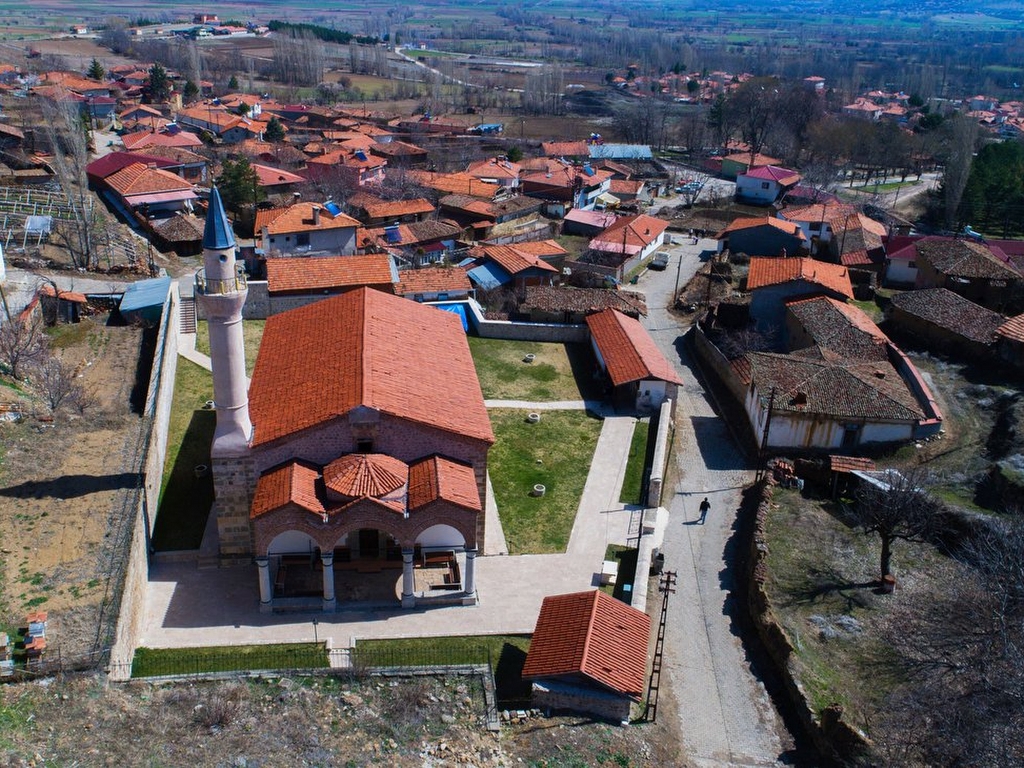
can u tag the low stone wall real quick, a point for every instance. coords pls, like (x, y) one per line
(660, 458)
(157, 417)
(555, 696)
(832, 736)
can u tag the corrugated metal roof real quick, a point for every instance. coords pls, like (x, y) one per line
(145, 293)
(489, 275)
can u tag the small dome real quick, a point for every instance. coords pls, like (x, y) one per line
(358, 475)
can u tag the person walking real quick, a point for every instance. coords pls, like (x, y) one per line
(705, 506)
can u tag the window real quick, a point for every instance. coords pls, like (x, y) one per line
(764, 185)
(364, 445)
(442, 297)
(815, 226)
(302, 238)
(912, 264)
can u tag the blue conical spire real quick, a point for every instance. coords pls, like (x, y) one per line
(217, 234)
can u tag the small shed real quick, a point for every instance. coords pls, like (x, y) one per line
(588, 654)
(641, 376)
(143, 301)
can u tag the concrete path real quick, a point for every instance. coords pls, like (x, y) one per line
(188, 607)
(724, 713)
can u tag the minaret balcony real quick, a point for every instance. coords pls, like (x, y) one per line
(209, 286)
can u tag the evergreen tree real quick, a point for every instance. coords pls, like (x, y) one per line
(274, 131)
(190, 92)
(239, 185)
(158, 85)
(233, 84)
(96, 70)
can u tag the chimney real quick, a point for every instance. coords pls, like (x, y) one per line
(316, 215)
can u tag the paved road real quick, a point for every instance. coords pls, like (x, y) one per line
(725, 715)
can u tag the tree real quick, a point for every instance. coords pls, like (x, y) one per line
(22, 342)
(57, 382)
(958, 644)
(957, 156)
(190, 92)
(275, 131)
(233, 84)
(898, 510)
(239, 185)
(692, 86)
(158, 85)
(514, 154)
(95, 70)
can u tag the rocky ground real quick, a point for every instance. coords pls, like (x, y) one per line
(275, 721)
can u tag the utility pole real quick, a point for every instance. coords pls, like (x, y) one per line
(667, 587)
(762, 454)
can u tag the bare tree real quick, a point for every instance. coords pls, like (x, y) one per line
(66, 131)
(896, 509)
(21, 342)
(57, 382)
(958, 156)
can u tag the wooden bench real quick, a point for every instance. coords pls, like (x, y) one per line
(438, 558)
(453, 579)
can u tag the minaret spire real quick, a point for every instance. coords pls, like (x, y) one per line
(221, 290)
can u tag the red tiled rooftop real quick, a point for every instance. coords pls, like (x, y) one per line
(433, 280)
(368, 475)
(629, 352)
(766, 271)
(594, 635)
(438, 478)
(383, 350)
(316, 273)
(291, 483)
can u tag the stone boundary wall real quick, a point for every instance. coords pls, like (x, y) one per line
(516, 331)
(157, 417)
(832, 737)
(660, 459)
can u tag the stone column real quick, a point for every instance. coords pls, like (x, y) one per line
(408, 580)
(266, 591)
(469, 577)
(327, 559)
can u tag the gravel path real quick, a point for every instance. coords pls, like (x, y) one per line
(725, 715)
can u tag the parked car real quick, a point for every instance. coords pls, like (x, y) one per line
(659, 262)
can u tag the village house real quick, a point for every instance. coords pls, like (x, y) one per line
(495, 266)
(153, 192)
(972, 269)
(588, 654)
(946, 322)
(765, 184)
(496, 170)
(434, 284)
(842, 386)
(352, 167)
(774, 281)
(641, 378)
(628, 242)
(305, 227)
(498, 221)
(762, 236)
(414, 244)
(374, 211)
(741, 162)
(571, 305)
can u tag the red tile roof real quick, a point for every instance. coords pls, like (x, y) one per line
(594, 635)
(437, 478)
(629, 352)
(433, 280)
(138, 179)
(273, 177)
(782, 176)
(401, 358)
(512, 259)
(850, 464)
(368, 475)
(294, 482)
(316, 273)
(541, 248)
(300, 218)
(1012, 329)
(789, 227)
(629, 234)
(771, 270)
(394, 208)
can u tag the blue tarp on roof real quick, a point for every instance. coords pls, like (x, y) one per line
(489, 276)
(620, 152)
(145, 293)
(458, 308)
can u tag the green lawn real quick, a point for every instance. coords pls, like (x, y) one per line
(252, 334)
(150, 662)
(556, 452)
(185, 499)
(506, 653)
(632, 483)
(552, 375)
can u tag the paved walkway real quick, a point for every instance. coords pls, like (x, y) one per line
(724, 713)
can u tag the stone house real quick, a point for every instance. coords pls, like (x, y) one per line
(946, 322)
(588, 654)
(774, 281)
(762, 236)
